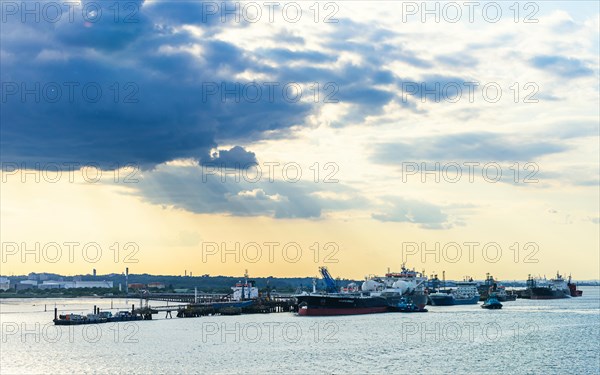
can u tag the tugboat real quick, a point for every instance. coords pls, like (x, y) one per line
(492, 303)
(406, 307)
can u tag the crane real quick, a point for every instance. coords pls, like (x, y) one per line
(330, 284)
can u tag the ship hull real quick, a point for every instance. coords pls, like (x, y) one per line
(419, 300)
(469, 301)
(326, 305)
(316, 311)
(449, 300)
(442, 300)
(64, 322)
(573, 290)
(546, 293)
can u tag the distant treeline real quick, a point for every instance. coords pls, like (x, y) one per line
(207, 284)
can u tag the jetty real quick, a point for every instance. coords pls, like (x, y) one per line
(213, 305)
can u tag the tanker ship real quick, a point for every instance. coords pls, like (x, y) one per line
(332, 302)
(407, 285)
(376, 295)
(554, 289)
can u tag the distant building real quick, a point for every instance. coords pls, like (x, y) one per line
(156, 285)
(93, 284)
(26, 284)
(54, 284)
(4, 283)
(136, 286)
(38, 276)
(50, 285)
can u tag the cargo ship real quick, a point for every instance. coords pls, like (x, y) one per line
(340, 304)
(435, 287)
(465, 294)
(489, 284)
(541, 289)
(334, 302)
(407, 284)
(376, 295)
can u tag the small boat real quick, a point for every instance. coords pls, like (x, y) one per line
(406, 307)
(76, 319)
(492, 303)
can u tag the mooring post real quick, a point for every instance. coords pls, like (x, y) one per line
(55, 313)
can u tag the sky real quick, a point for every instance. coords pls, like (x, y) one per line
(218, 137)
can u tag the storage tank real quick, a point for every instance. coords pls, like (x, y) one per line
(369, 286)
(402, 285)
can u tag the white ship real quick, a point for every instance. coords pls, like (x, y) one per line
(408, 284)
(244, 290)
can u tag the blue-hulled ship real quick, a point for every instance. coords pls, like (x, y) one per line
(465, 293)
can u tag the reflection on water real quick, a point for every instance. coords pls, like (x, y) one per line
(551, 336)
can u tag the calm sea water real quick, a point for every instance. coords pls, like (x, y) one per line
(525, 337)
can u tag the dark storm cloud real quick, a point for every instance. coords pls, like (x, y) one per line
(137, 92)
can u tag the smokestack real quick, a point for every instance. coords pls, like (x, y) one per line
(127, 280)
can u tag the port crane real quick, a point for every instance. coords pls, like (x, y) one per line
(330, 284)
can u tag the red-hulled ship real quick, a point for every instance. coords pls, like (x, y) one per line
(339, 304)
(573, 289)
